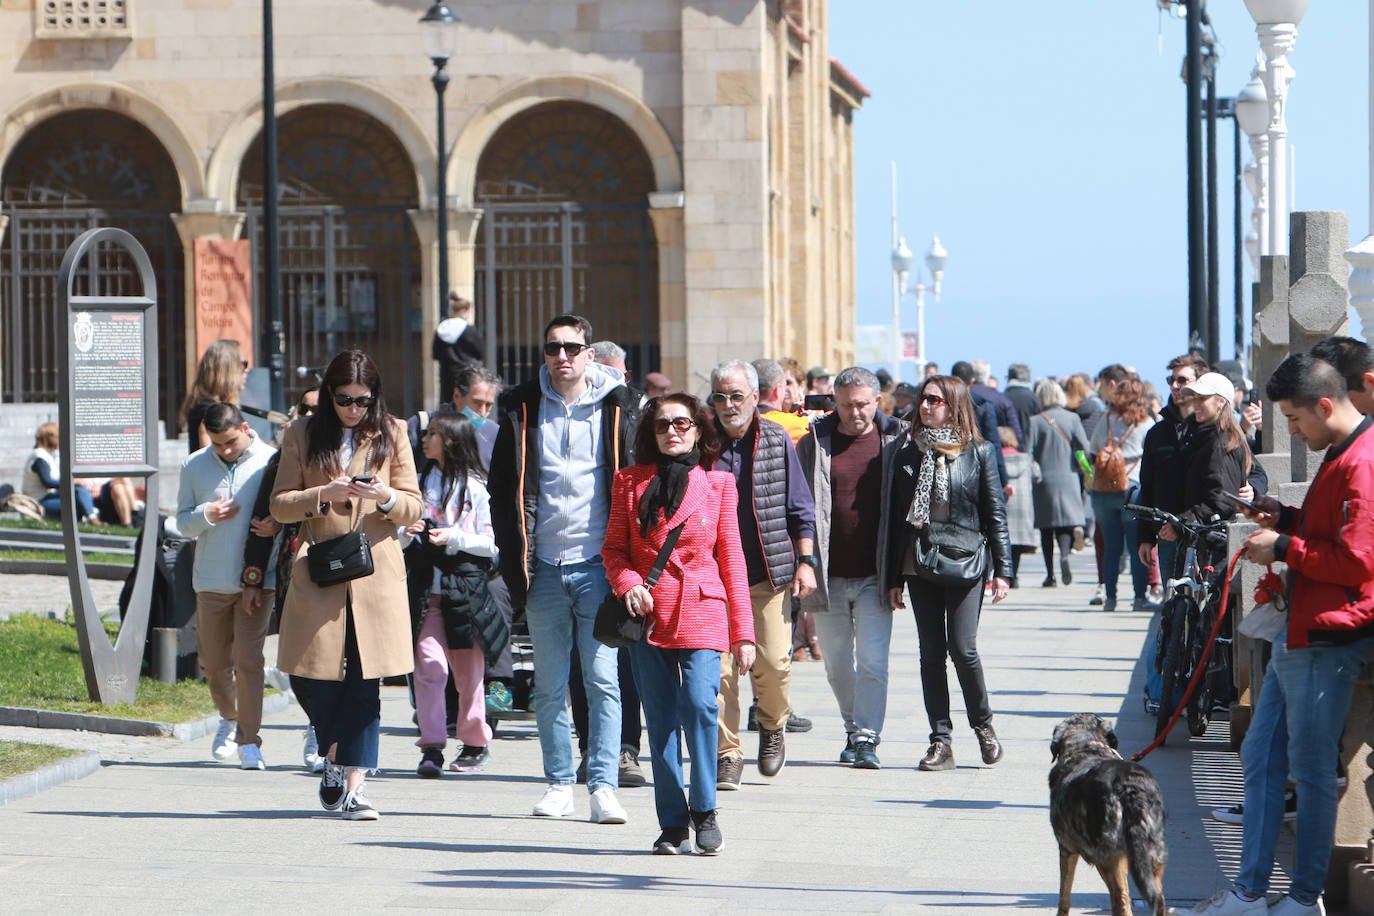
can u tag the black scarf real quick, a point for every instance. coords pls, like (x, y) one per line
(666, 489)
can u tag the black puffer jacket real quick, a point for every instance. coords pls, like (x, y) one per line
(975, 503)
(471, 617)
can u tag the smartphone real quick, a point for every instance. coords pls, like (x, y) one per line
(363, 478)
(818, 402)
(1245, 503)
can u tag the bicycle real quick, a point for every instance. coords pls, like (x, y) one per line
(1187, 618)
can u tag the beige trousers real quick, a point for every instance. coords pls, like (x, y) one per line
(771, 673)
(230, 645)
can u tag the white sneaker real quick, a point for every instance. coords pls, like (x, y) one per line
(310, 755)
(1287, 906)
(223, 746)
(250, 758)
(1226, 903)
(557, 802)
(606, 807)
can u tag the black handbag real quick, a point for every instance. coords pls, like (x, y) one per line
(948, 554)
(341, 559)
(615, 626)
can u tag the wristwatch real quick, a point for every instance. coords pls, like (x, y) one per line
(810, 559)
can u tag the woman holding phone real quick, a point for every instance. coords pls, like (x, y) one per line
(347, 467)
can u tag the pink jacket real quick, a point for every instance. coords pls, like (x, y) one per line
(701, 600)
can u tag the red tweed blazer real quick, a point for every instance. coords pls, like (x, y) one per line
(702, 599)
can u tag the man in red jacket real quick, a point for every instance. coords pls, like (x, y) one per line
(1328, 544)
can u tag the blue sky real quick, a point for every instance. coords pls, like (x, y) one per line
(1044, 144)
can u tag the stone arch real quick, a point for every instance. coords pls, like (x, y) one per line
(117, 99)
(492, 114)
(222, 174)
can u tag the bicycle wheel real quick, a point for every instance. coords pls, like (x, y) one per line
(1173, 670)
(1200, 706)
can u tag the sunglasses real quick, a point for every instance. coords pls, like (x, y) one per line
(680, 424)
(734, 397)
(304, 410)
(572, 348)
(1181, 380)
(364, 400)
(933, 400)
(244, 363)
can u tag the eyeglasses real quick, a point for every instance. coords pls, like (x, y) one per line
(363, 400)
(1181, 380)
(572, 348)
(680, 424)
(734, 397)
(933, 400)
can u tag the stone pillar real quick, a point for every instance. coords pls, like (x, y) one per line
(1268, 350)
(666, 211)
(462, 275)
(1318, 300)
(202, 219)
(4, 224)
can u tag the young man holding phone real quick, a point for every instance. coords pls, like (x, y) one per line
(219, 485)
(1328, 544)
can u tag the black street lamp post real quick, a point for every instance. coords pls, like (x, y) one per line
(439, 29)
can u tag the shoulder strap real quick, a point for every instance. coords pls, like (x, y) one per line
(668, 544)
(1058, 429)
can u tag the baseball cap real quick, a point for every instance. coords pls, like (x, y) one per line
(816, 372)
(658, 380)
(1212, 383)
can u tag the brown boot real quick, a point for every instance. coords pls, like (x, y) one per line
(772, 751)
(939, 756)
(816, 655)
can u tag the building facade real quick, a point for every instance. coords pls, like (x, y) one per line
(680, 171)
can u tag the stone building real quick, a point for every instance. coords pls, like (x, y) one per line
(680, 171)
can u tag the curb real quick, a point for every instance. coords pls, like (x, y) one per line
(69, 769)
(107, 571)
(182, 731)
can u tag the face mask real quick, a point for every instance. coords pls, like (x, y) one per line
(476, 418)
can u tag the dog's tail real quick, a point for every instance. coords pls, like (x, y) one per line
(1143, 831)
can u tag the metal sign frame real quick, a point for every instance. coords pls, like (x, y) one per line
(111, 671)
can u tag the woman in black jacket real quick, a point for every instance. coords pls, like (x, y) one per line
(946, 497)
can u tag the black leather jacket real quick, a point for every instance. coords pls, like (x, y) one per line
(975, 502)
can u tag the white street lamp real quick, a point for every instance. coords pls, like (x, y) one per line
(1252, 113)
(935, 264)
(901, 270)
(1276, 24)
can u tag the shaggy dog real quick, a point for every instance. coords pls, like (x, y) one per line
(1108, 811)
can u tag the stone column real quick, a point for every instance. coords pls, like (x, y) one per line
(462, 275)
(202, 219)
(1318, 302)
(666, 211)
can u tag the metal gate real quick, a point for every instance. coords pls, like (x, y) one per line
(349, 278)
(538, 260)
(30, 325)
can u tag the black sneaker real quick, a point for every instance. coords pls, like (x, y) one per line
(752, 723)
(847, 755)
(356, 807)
(331, 786)
(939, 756)
(866, 755)
(431, 763)
(729, 773)
(673, 841)
(1236, 813)
(1064, 572)
(796, 723)
(471, 759)
(709, 840)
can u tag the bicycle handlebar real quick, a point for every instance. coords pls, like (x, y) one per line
(1196, 529)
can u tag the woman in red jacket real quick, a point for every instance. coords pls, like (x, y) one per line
(699, 608)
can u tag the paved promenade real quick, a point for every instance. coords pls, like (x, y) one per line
(163, 827)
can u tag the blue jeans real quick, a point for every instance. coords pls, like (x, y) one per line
(85, 504)
(1118, 536)
(678, 688)
(1296, 730)
(856, 633)
(561, 611)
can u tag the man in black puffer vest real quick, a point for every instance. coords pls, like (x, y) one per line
(776, 515)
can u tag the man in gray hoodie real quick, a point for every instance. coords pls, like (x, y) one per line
(562, 437)
(219, 485)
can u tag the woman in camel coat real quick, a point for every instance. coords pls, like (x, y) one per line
(348, 466)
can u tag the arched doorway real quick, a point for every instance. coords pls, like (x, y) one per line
(350, 269)
(564, 188)
(76, 171)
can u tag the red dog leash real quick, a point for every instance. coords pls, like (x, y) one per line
(1266, 587)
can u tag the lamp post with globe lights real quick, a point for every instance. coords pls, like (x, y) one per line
(1252, 113)
(439, 30)
(901, 269)
(935, 264)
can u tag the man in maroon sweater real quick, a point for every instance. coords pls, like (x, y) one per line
(1328, 544)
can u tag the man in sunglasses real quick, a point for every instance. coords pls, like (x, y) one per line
(562, 437)
(777, 529)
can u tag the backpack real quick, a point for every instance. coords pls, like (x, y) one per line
(24, 505)
(1109, 468)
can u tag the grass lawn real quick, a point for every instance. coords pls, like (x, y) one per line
(56, 556)
(40, 668)
(16, 757)
(55, 525)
